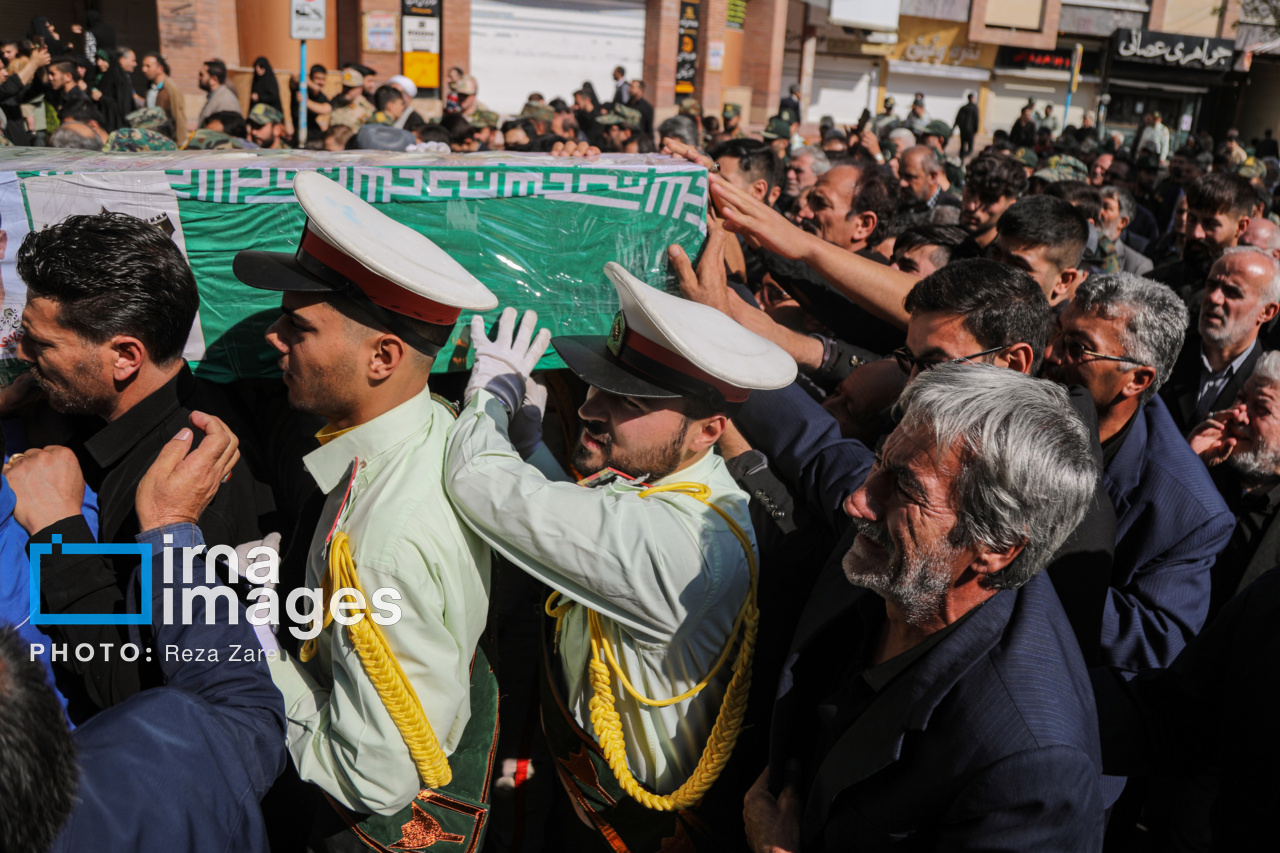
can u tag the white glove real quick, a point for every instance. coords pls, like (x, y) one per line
(261, 609)
(503, 364)
(525, 430)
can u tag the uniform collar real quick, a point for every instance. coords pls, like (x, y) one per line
(370, 440)
(698, 472)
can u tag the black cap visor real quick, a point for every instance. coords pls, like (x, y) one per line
(279, 271)
(589, 357)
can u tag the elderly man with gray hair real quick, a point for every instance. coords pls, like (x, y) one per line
(1119, 337)
(1241, 443)
(1241, 296)
(935, 689)
(1118, 210)
(806, 166)
(921, 178)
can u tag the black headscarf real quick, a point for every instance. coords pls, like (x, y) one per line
(117, 92)
(42, 30)
(265, 86)
(591, 93)
(103, 33)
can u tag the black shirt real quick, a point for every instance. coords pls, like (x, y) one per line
(1186, 278)
(314, 130)
(1112, 445)
(114, 461)
(858, 682)
(1254, 512)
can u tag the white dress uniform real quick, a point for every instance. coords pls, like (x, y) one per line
(666, 572)
(384, 481)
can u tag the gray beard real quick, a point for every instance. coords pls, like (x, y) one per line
(916, 586)
(1256, 467)
(1222, 336)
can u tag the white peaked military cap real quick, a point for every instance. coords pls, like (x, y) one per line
(350, 247)
(665, 346)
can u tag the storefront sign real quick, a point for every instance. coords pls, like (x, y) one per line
(421, 7)
(687, 52)
(715, 55)
(736, 16)
(420, 42)
(936, 42)
(307, 19)
(1173, 51)
(421, 35)
(1023, 58)
(380, 32)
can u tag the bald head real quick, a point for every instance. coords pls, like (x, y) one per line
(1241, 294)
(1262, 234)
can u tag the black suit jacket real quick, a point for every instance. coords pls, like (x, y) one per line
(1182, 389)
(1211, 711)
(645, 109)
(989, 741)
(967, 120)
(821, 468)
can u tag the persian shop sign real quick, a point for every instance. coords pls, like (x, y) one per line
(1174, 51)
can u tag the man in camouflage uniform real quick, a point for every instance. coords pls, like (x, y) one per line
(137, 139)
(1029, 159)
(541, 114)
(153, 119)
(691, 108)
(885, 121)
(731, 118)
(778, 134)
(620, 124)
(266, 127)
(210, 140)
(351, 108)
(936, 135)
(485, 122)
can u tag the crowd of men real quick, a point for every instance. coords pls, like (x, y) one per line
(938, 510)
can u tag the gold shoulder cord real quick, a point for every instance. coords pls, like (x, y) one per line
(728, 725)
(380, 664)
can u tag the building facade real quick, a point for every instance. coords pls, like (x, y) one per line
(713, 50)
(847, 55)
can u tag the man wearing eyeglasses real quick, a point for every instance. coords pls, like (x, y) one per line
(1119, 337)
(974, 311)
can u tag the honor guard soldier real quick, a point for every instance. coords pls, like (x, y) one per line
(651, 559)
(392, 718)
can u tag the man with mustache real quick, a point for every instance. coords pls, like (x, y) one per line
(1218, 207)
(110, 303)
(1119, 337)
(1241, 295)
(651, 558)
(1242, 443)
(851, 207)
(934, 691)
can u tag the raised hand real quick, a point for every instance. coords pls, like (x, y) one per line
(181, 482)
(1212, 440)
